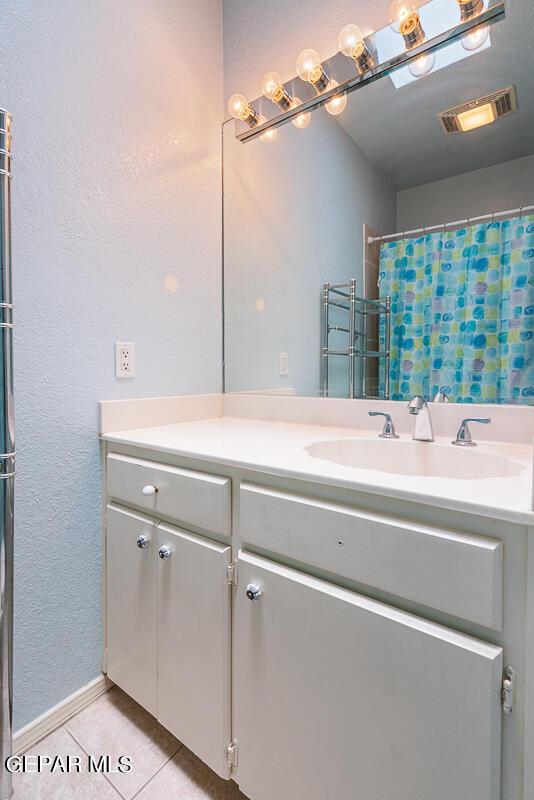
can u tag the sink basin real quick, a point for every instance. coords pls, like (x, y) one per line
(421, 459)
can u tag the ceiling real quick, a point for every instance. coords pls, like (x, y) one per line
(398, 129)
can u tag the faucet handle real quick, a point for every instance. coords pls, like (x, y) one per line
(441, 396)
(389, 428)
(463, 437)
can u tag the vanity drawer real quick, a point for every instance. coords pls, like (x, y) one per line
(456, 573)
(192, 498)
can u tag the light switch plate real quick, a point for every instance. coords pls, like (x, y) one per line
(124, 360)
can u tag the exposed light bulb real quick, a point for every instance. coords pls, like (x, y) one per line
(338, 103)
(348, 38)
(271, 81)
(400, 10)
(303, 119)
(470, 8)
(422, 65)
(404, 19)
(307, 61)
(273, 89)
(269, 136)
(476, 38)
(351, 43)
(240, 109)
(310, 69)
(236, 103)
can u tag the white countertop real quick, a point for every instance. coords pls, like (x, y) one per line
(278, 448)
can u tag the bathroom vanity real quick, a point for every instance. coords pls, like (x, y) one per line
(316, 612)
(319, 613)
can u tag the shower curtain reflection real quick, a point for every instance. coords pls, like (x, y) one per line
(462, 312)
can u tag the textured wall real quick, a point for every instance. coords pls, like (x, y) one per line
(116, 236)
(498, 188)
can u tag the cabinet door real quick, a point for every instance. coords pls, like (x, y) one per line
(343, 697)
(194, 644)
(131, 604)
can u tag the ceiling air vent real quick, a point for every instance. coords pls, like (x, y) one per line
(479, 112)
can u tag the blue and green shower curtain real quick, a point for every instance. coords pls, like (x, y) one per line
(462, 313)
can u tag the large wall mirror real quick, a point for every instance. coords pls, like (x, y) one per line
(355, 263)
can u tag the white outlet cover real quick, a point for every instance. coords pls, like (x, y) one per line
(283, 361)
(124, 360)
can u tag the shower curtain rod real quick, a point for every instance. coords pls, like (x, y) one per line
(444, 225)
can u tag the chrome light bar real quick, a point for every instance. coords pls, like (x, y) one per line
(337, 65)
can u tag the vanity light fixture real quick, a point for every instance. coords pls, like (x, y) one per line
(270, 135)
(475, 38)
(404, 19)
(301, 120)
(412, 31)
(338, 103)
(479, 36)
(240, 108)
(352, 44)
(470, 8)
(423, 65)
(274, 89)
(311, 70)
(375, 57)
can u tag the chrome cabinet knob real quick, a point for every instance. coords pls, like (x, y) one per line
(149, 489)
(164, 552)
(253, 591)
(142, 541)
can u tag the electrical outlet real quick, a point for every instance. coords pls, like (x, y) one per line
(124, 360)
(283, 360)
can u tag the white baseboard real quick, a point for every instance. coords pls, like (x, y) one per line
(35, 731)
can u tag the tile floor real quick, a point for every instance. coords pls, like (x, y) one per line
(115, 725)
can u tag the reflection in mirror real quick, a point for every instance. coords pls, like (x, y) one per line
(323, 296)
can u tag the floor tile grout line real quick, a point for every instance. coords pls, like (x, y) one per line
(131, 797)
(156, 772)
(82, 748)
(80, 745)
(114, 787)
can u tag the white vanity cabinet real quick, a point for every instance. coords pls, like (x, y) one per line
(316, 643)
(194, 644)
(340, 696)
(191, 497)
(131, 617)
(168, 628)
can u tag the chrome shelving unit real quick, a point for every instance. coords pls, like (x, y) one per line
(365, 320)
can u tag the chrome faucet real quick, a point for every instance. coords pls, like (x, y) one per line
(389, 428)
(422, 428)
(441, 397)
(463, 437)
